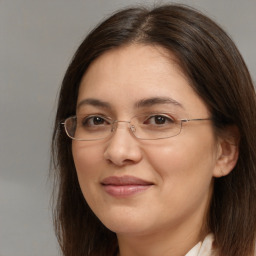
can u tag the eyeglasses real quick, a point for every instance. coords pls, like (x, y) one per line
(145, 127)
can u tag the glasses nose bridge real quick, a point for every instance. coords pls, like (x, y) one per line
(116, 122)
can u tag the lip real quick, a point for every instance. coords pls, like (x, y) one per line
(124, 186)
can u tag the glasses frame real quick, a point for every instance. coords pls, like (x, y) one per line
(113, 128)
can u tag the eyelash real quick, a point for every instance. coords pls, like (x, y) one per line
(91, 117)
(162, 117)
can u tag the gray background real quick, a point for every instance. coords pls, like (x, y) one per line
(37, 40)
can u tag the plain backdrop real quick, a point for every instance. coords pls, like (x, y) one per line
(37, 41)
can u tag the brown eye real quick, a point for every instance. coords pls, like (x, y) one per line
(159, 120)
(94, 121)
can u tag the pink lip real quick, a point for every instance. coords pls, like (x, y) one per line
(124, 186)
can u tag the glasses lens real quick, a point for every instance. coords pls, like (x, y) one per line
(155, 126)
(70, 127)
(145, 127)
(89, 128)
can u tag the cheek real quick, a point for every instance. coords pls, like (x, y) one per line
(189, 162)
(86, 158)
(185, 175)
(88, 161)
(85, 155)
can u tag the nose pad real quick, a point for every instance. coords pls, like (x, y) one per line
(133, 129)
(113, 128)
(116, 123)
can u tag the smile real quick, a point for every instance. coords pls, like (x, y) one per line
(124, 186)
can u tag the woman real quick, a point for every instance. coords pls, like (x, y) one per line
(160, 111)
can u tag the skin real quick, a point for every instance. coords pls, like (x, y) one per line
(168, 218)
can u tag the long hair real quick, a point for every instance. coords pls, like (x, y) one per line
(218, 74)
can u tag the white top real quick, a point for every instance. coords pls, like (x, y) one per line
(203, 248)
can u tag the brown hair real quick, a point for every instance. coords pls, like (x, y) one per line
(218, 74)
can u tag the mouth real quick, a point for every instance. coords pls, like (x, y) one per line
(124, 186)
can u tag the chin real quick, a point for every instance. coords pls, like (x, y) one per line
(122, 223)
(126, 229)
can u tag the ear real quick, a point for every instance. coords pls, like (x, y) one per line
(227, 152)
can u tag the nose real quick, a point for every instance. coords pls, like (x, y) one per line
(122, 148)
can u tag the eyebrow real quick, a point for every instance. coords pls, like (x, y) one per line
(94, 102)
(140, 104)
(157, 100)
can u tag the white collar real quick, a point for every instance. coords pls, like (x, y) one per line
(203, 248)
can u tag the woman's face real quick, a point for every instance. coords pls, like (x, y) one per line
(143, 186)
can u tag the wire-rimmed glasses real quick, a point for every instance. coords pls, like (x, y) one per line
(145, 127)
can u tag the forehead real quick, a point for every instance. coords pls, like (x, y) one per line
(135, 72)
(133, 63)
